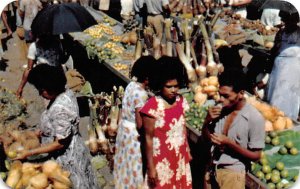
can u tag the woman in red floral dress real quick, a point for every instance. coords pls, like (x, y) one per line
(167, 149)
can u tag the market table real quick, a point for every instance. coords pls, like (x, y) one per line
(81, 37)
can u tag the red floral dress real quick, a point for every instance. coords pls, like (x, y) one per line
(170, 147)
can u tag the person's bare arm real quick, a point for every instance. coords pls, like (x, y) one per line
(25, 77)
(45, 148)
(138, 118)
(4, 19)
(148, 123)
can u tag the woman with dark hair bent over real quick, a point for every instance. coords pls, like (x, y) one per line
(60, 137)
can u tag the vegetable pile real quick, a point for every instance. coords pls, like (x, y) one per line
(47, 175)
(103, 126)
(11, 107)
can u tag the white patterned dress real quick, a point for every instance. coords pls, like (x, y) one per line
(128, 160)
(61, 121)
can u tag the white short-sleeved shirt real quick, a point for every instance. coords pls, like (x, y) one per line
(247, 130)
(30, 9)
(32, 54)
(156, 6)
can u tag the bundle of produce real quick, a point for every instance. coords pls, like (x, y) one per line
(12, 108)
(275, 119)
(99, 30)
(15, 141)
(192, 8)
(75, 81)
(278, 166)
(104, 115)
(47, 175)
(109, 21)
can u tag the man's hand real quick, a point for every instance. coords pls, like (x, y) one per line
(220, 139)
(213, 113)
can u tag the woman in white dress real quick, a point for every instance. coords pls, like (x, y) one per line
(284, 84)
(59, 127)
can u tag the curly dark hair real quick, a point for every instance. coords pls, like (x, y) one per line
(49, 78)
(144, 68)
(169, 68)
(234, 78)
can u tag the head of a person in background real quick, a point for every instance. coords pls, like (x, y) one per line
(233, 84)
(143, 70)
(290, 20)
(50, 81)
(48, 41)
(171, 76)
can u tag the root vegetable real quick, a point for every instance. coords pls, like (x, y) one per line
(14, 174)
(289, 123)
(39, 181)
(213, 80)
(200, 98)
(59, 185)
(268, 126)
(92, 142)
(186, 62)
(211, 65)
(54, 172)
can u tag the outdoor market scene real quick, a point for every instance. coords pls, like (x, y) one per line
(138, 94)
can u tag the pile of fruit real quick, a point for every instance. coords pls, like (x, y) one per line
(99, 30)
(37, 176)
(196, 114)
(278, 164)
(275, 119)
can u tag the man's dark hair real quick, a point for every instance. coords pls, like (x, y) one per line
(234, 78)
(49, 78)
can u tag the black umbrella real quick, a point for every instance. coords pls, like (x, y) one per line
(62, 18)
(281, 5)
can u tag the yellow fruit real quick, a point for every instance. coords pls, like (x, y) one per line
(289, 144)
(266, 169)
(294, 151)
(268, 176)
(280, 166)
(260, 175)
(283, 150)
(273, 134)
(263, 161)
(271, 185)
(11, 154)
(284, 173)
(275, 178)
(275, 141)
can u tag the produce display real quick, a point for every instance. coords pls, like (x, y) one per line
(47, 175)
(275, 119)
(11, 107)
(104, 115)
(279, 164)
(15, 141)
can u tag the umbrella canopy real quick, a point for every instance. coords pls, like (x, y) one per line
(62, 18)
(290, 6)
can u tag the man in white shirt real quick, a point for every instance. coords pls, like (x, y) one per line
(155, 8)
(28, 10)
